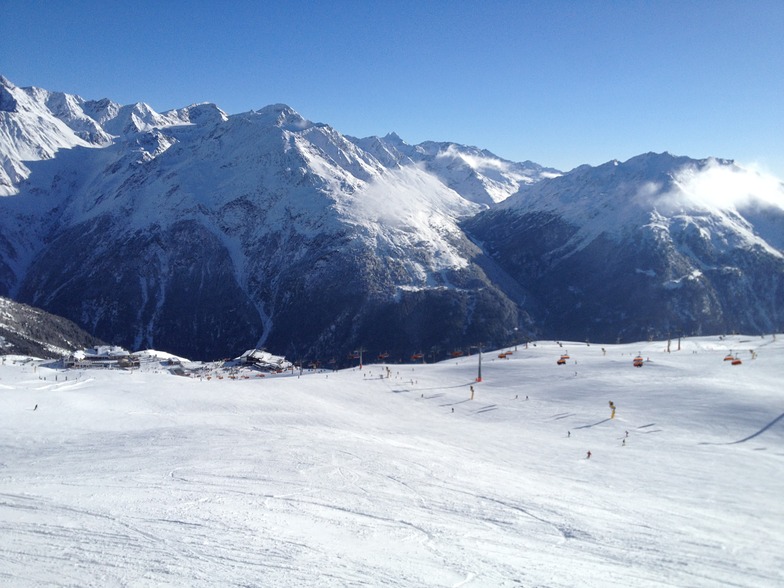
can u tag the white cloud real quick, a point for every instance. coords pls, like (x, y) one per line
(723, 186)
(479, 163)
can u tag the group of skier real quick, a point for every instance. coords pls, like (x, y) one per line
(612, 416)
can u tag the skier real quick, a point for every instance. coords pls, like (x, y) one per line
(36, 407)
(588, 455)
(568, 434)
(624, 443)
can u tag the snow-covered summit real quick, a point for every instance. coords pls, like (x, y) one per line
(135, 118)
(619, 197)
(204, 113)
(283, 116)
(36, 123)
(476, 174)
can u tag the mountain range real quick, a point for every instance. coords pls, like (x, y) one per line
(204, 234)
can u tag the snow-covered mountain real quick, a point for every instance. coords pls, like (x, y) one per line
(206, 234)
(655, 245)
(34, 125)
(197, 232)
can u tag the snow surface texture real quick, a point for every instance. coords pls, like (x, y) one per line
(354, 478)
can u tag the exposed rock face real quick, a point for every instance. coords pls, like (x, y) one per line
(174, 287)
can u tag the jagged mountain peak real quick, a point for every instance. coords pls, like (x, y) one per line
(101, 110)
(32, 131)
(136, 118)
(283, 116)
(203, 113)
(393, 138)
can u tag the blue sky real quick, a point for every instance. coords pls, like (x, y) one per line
(560, 83)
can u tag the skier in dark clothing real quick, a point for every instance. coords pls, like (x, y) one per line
(588, 456)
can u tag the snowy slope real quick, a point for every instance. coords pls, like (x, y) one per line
(29, 131)
(476, 174)
(351, 478)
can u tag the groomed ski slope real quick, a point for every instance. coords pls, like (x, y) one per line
(350, 479)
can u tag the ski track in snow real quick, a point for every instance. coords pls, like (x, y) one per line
(353, 479)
